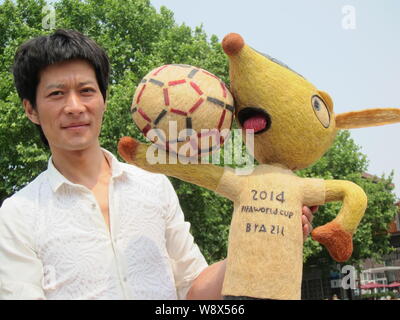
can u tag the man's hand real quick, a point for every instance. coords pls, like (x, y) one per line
(307, 219)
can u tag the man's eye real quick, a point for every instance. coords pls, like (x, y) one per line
(88, 90)
(56, 93)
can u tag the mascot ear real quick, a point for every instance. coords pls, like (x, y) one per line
(327, 99)
(367, 118)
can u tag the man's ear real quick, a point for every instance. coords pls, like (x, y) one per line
(30, 112)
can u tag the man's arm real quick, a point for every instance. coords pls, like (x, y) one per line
(21, 271)
(208, 285)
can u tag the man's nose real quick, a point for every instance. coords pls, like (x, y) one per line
(73, 104)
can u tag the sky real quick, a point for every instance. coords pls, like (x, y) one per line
(350, 49)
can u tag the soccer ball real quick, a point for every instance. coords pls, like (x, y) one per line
(183, 109)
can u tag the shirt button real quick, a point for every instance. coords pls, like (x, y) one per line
(93, 206)
(125, 279)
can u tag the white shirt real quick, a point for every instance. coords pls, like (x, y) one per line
(55, 244)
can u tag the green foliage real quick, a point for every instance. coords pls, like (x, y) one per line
(138, 38)
(23, 157)
(344, 161)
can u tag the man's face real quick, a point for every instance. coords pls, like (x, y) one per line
(70, 106)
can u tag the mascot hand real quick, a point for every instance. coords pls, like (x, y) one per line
(129, 149)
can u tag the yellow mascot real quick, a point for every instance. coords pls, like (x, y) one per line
(294, 125)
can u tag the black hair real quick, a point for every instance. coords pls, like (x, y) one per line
(36, 54)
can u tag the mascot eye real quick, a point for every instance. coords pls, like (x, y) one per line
(321, 111)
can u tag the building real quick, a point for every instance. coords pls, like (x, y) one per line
(320, 283)
(389, 271)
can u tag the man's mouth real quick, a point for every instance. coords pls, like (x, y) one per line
(75, 125)
(253, 118)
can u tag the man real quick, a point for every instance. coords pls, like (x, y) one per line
(90, 227)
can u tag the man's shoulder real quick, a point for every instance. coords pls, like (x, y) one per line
(135, 175)
(26, 196)
(142, 176)
(148, 184)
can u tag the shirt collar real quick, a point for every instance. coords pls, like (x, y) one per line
(56, 179)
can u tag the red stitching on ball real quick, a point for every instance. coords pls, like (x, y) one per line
(140, 93)
(144, 115)
(183, 113)
(221, 120)
(146, 129)
(159, 69)
(196, 105)
(223, 89)
(211, 75)
(196, 88)
(176, 82)
(166, 96)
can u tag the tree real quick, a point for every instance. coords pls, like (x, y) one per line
(138, 39)
(344, 161)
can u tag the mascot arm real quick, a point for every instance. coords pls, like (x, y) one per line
(204, 175)
(337, 235)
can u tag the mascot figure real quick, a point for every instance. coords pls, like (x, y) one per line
(293, 124)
